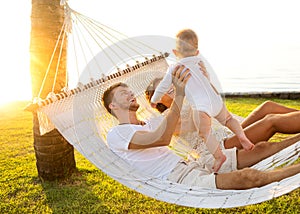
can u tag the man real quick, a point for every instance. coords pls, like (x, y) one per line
(144, 145)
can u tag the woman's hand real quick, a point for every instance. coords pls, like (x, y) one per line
(153, 105)
(203, 69)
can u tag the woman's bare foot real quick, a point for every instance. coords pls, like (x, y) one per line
(218, 163)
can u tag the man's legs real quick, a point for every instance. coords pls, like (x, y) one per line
(263, 150)
(249, 178)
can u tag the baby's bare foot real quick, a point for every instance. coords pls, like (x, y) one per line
(246, 143)
(218, 163)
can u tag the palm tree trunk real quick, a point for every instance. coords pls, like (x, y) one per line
(54, 155)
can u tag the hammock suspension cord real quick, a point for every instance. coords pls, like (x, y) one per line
(51, 61)
(90, 37)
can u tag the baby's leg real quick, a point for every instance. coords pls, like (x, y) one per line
(220, 158)
(203, 124)
(225, 118)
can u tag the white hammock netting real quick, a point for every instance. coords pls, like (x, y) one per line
(83, 121)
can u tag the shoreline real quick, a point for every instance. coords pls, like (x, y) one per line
(291, 95)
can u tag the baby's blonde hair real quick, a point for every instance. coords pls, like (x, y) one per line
(186, 42)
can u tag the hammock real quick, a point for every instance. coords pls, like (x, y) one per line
(80, 117)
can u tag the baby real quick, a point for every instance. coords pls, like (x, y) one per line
(203, 97)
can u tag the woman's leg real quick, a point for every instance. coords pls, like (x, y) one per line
(265, 128)
(263, 150)
(268, 107)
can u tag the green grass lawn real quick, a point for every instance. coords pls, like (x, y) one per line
(89, 190)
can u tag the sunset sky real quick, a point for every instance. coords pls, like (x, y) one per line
(233, 34)
(14, 50)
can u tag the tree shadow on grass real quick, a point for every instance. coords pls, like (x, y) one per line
(74, 195)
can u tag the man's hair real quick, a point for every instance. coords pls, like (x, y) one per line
(187, 42)
(108, 95)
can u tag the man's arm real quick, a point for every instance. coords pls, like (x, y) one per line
(163, 134)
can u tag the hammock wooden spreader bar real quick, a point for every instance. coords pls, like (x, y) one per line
(64, 94)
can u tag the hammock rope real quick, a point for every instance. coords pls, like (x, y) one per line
(90, 28)
(104, 36)
(78, 114)
(118, 36)
(51, 61)
(58, 60)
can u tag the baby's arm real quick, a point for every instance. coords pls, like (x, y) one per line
(162, 87)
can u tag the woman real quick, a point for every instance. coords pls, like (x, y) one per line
(260, 125)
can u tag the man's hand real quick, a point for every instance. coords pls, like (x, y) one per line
(180, 76)
(162, 135)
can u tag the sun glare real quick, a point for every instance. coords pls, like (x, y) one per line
(229, 33)
(14, 43)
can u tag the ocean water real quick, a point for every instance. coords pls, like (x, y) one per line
(267, 71)
(277, 81)
(262, 67)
